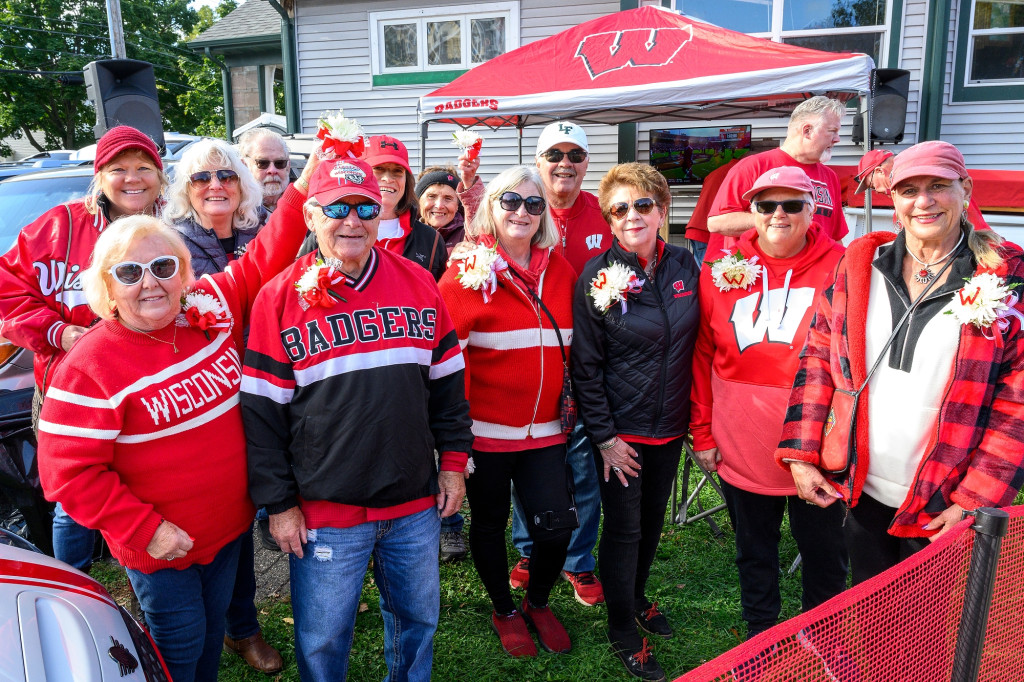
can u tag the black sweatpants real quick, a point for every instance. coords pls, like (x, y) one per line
(872, 549)
(541, 481)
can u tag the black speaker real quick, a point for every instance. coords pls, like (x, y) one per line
(124, 93)
(889, 89)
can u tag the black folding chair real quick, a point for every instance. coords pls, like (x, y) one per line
(681, 512)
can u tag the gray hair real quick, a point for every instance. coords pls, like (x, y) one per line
(507, 181)
(816, 107)
(210, 153)
(247, 142)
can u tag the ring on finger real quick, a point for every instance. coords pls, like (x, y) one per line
(617, 470)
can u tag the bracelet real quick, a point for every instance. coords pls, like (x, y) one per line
(302, 185)
(608, 444)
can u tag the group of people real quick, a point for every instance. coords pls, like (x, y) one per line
(523, 343)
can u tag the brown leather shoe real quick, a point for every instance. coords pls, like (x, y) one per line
(256, 652)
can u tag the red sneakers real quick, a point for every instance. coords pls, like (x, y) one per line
(520, 576)
(586, 586)
(550, 633)
(515, 638)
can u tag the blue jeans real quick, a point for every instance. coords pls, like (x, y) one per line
(699, 250)
(73, 544)
(588, 507)
(327, 581)
(241, 620)
(185, 612)
(453, 523)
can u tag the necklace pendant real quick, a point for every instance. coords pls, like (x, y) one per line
(924, 276)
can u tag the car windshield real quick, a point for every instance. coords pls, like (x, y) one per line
(22, 201)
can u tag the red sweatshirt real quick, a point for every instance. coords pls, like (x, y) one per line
(584, 231)
(746, 358)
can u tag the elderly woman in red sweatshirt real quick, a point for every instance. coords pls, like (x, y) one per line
(756, 303)
(140, 436)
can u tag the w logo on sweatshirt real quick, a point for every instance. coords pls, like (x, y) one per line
(778, 323)
(594, 241)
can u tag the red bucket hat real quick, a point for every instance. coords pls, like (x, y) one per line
(338, 178)
(121, 139)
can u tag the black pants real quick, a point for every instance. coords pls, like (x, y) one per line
(872, 549)
(541, 481)
(818, 532)
(633, 519)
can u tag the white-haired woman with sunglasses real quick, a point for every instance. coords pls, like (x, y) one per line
(216, 205)
(635, 323)
(511, 300)
(140, 436)
(756, 305)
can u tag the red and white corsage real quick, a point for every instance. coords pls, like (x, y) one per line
(314, 286)
(469, 142)
(612, 285)
(203, 311)
(343, 136)
(733, 271)
(985, 301)
(479, 268)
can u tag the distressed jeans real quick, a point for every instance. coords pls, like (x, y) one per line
(326, 584)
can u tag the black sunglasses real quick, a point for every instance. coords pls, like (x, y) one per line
(264, 164)
(366, 211)
(130, 272)
(788, 206)
(225, 176)
(555, 155)
(643, 206)
(510, 201)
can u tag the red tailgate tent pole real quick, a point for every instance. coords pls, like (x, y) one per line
(642, 64)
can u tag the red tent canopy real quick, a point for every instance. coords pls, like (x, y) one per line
(644, 64)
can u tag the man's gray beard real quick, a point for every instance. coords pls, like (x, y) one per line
(826, 156)
(273, 189)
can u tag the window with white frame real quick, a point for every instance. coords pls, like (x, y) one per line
(995, 49)
(830, 25)
(439, 39)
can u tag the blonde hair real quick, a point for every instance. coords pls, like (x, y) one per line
(95, 191)
(507, 181)
(638, 175)
(215, 154)
(984, 244)
(113, 245)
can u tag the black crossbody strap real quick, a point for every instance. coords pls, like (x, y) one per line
(561, 346)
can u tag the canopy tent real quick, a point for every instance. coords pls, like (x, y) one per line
(638, 65)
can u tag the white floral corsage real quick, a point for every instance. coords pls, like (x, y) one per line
(733, 271)
(240, 251)
(479, 268)
(612, 284)
(985, 301)
(203, 311)
(469, 142)
(314, 286)
(343, 136)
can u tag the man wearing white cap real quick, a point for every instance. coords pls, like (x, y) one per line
(562, 158)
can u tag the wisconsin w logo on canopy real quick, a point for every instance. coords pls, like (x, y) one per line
(606, 52)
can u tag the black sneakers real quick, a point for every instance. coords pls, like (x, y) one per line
(637, 656)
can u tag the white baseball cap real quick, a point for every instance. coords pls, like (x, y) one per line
(561, 131)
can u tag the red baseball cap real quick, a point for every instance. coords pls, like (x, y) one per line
(933, 158)
(785, 177)
(868, 163)
(121, 139)
(338, 178)
(381, 149)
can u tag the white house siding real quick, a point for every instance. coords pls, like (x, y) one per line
(334, 72)
(990, 134)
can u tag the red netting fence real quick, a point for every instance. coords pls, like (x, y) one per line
(900, 626)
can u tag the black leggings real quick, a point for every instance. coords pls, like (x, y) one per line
(872, 549)
(542, 485)
(633, 519)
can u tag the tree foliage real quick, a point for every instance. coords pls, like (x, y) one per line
(40, 39)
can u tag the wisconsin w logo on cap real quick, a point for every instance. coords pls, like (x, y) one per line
(606, 52)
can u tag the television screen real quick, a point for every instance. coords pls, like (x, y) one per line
(686, 155)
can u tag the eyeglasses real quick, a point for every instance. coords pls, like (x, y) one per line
(510, 201)
(788, 206)
(225, 176)
(643, 206)
(264, 164)
(130, 272)
(366, 211)
(555, 155)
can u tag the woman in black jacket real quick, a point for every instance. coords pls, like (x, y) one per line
(635, 325)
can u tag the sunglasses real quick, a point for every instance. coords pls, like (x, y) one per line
(264, 164)
(643, 206)
(366, 211)
(203, 178)
(130, 272)
(555, 155)
(788, 206)
(510, 201)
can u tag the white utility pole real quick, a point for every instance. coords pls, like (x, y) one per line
(116, 28)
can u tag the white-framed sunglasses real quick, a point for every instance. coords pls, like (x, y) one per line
(129, 272)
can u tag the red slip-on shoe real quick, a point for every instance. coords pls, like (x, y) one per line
(550, 633)
(515, 638)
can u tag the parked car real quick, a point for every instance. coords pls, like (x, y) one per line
(60, 624)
